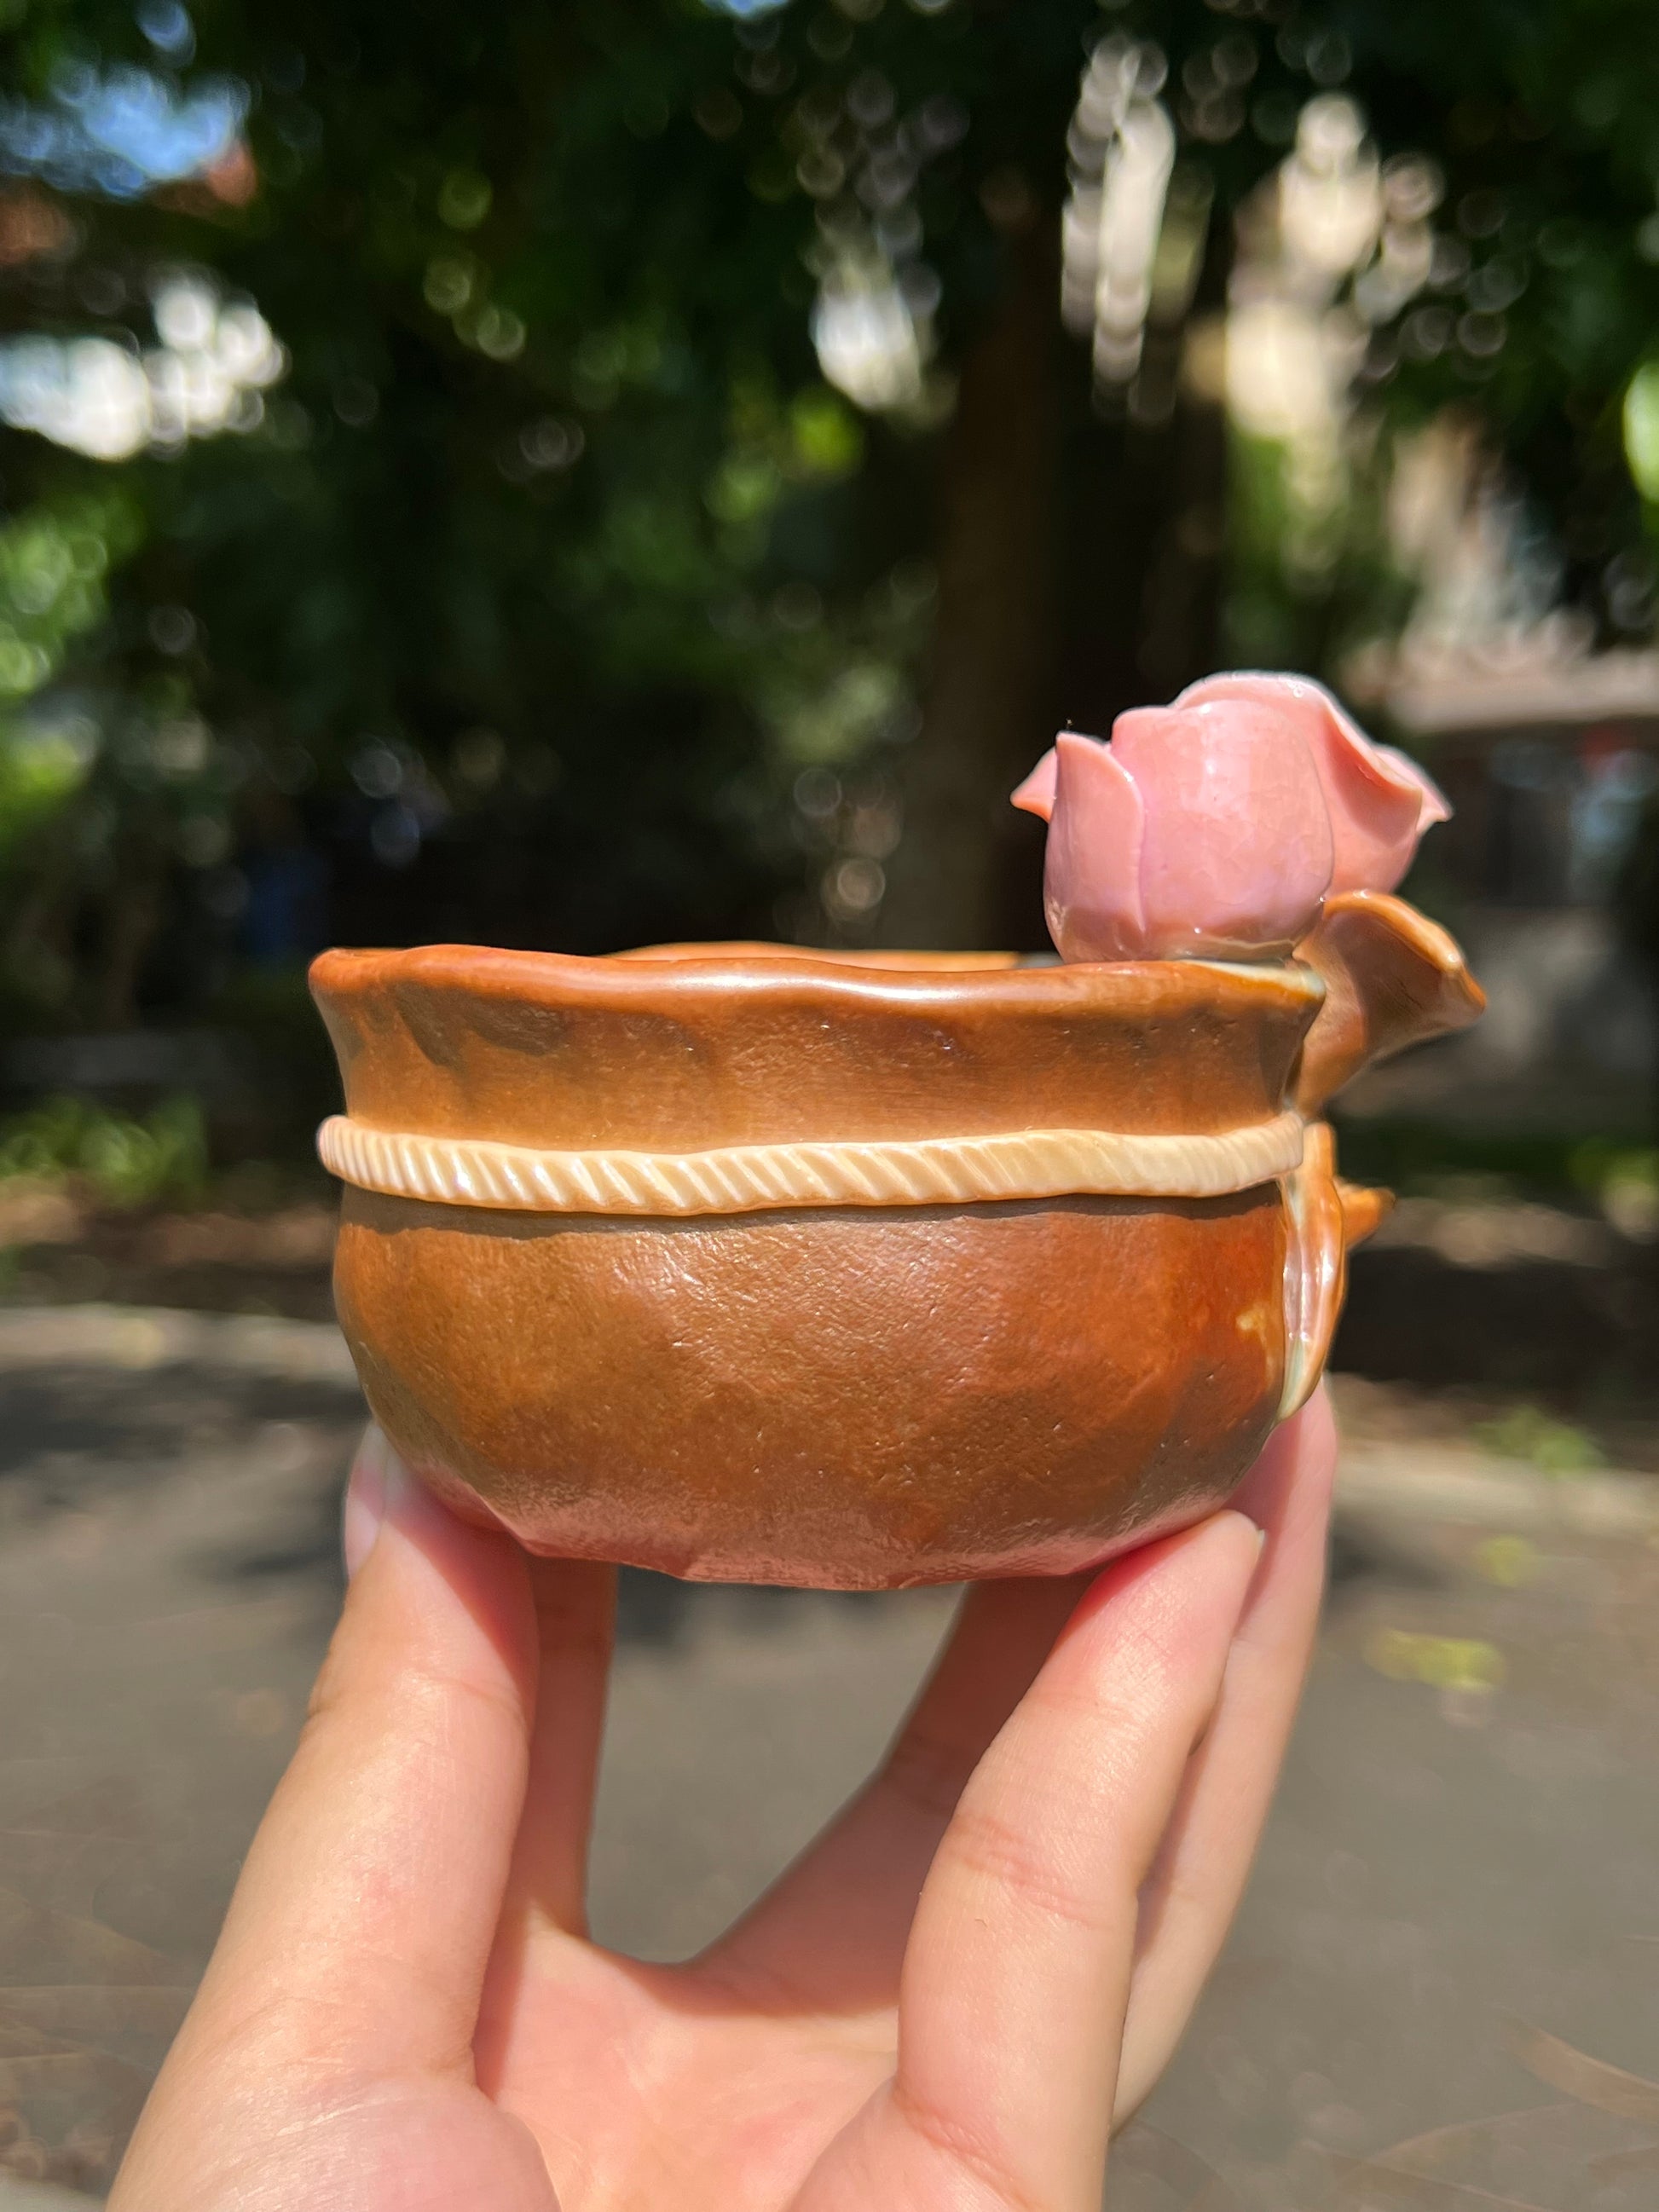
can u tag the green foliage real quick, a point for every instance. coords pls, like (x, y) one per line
(53, 561)
(1556, 1448)
(40, 773)
(1618, 1179)
(1624, 1182)
(551, 560)
(1415, 1157)
(124, 1163)
(1642, 430)
(547, 405)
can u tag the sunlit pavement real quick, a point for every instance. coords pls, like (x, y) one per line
(1455, 1925)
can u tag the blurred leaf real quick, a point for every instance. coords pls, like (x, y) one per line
(1642, 430)
(1370, 2187)
(126, 1163)
(1591, 2081)
(43, 1946)
(1445, 1662)
(1184, 2182)
(1616, 2164)
(133, 2024)
(78, 2073)
(112, 1807)
(1556, 1447)
(67, 1872)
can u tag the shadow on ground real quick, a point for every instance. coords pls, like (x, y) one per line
(76, 1439)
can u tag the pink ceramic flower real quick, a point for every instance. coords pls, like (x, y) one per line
(1380, 801)
(1218, 825)
(1198, 830)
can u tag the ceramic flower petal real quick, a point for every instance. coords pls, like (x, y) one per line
(1237, 850)
(1380, 801)
(1436, 807)
(1091, 880)
(1036, 794)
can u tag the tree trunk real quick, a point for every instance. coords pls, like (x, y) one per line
(988, 711)
(1079, 566)
(133, 916)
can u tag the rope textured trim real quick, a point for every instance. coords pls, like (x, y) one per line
(747, 1178)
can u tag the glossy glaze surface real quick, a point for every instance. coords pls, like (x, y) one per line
(847, 1396)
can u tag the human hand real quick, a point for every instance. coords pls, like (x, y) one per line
(928, 2013)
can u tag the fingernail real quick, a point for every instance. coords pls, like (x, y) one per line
(366, 1499)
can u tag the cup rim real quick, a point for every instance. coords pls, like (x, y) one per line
(927, 983)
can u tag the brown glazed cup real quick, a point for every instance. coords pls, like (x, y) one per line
(851, 1271)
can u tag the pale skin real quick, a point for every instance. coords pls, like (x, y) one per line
(945, 2005)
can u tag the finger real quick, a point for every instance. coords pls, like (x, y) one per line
(360, 1929)
(575, 1614)
(1015, 1983)
(1205, 1860)
(862, 1876)
(541, 1950)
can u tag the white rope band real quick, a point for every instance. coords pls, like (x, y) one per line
(746, 1178)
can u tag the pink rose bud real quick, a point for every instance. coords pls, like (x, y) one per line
(1380, 801)
(1199, 830)
(1217, 826)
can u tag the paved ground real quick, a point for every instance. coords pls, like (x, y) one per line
(1455, 1927)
